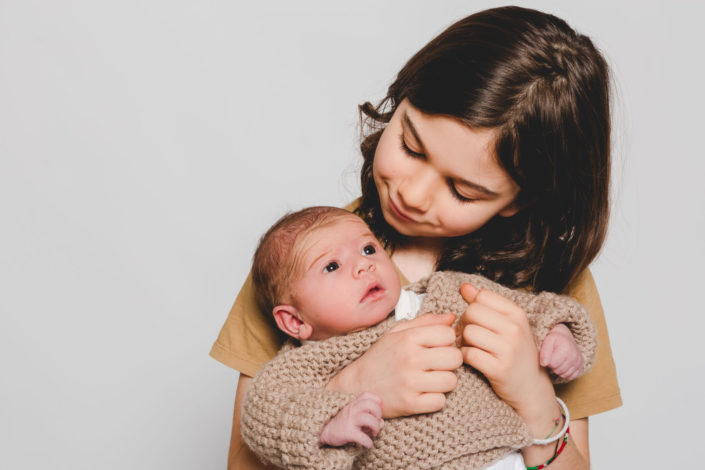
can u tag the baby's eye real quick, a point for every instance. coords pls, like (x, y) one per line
(330, 267)
(369, 250)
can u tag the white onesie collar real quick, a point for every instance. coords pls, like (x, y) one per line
(408, 306)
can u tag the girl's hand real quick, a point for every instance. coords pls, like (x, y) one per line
(358, 422)
(409, 368)
(495, 339)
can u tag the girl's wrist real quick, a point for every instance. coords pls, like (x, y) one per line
(344, 381)
(540, 409)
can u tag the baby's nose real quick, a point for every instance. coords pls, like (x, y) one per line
(365, 265)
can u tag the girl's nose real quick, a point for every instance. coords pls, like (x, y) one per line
(416, 191)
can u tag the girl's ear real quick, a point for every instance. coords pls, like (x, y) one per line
(509, 210)
(290, 322)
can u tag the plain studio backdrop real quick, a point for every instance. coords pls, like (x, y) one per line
(146, 145)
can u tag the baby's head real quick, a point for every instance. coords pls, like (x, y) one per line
(321, 273)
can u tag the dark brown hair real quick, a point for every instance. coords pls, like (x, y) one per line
(544, 88)
(273, 264)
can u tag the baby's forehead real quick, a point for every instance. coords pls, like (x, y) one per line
(331, 233)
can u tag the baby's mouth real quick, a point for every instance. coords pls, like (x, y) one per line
(374, 292)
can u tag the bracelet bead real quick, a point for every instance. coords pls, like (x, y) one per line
(549, 440)
(555, 454)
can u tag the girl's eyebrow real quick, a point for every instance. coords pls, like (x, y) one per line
(410, 125)
(460, 181)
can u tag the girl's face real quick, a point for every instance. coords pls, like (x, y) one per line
(437, 177)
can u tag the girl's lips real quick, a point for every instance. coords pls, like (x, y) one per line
(374, 292)
(398, 213)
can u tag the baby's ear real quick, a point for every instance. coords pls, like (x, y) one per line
(290, 322)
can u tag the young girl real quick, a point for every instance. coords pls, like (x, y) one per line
(490, 154)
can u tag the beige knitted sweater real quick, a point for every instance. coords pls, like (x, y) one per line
(286, 405)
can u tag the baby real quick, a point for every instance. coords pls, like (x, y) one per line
(323, 275)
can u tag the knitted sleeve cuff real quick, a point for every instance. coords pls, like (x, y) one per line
(548, 309)
(284, 429)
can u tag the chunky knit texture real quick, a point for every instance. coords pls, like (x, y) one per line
(286, 405)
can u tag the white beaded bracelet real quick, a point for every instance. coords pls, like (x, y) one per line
(566, 414)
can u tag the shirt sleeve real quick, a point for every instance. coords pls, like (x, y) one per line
(246, 340)
(597, 390)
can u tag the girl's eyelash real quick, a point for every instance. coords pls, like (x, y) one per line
(457, 195)
(407, 150)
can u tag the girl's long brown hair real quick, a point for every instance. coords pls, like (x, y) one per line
(545, 89)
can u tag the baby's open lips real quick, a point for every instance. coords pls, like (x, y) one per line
(373, 292)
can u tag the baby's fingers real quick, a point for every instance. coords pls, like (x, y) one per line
(547, 349)
(573, 374)
(369, 424)
(359, 437)
(369, 403)
(562, 370)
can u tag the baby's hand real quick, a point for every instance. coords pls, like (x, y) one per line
(356, 423)
(560, 353)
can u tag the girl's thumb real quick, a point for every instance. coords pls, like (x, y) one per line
(469, 292)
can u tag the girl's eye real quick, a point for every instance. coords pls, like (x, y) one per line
(330, 267)
(456, 194)
(407, 150)
(369, 250)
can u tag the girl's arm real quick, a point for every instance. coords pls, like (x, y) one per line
(410, 368)
(496, 340)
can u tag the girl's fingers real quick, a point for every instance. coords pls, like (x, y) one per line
(479, 359)
(486, 317)
(469, 292)
(443, 358)
(482, 338)
(425, 320)
(432, 336)
(492, 300)
(436, 381)
(430, 402)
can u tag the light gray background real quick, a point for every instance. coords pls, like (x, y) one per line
(145, 146)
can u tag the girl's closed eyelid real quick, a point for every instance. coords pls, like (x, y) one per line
(457, 195)
(407, 150)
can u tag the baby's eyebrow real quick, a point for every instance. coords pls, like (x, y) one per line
(315, 261)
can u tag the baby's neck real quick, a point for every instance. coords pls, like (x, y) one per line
(417, 260)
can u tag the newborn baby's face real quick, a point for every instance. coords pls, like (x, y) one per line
(348, 282)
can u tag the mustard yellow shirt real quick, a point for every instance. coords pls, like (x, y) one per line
(247, 340)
